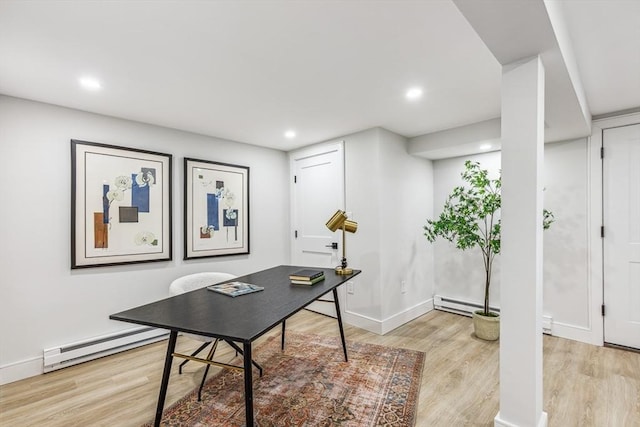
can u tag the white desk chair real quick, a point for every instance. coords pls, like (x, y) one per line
(192, 282)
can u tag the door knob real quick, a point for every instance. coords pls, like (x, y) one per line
(333, 245)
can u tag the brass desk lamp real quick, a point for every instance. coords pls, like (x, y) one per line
(339, 220)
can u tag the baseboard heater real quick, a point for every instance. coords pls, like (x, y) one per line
(94, 348)
(466, 308)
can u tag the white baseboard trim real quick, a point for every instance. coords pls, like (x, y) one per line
(498, 422)
(382, 327)
(573, 332)
(363, 322)
(20, 370)
(399, 319)
(34, 366)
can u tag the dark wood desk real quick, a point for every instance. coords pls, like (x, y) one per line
(242, 319)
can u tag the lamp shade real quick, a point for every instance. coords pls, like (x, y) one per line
(339, 220)
(350, 226)
(336, 221)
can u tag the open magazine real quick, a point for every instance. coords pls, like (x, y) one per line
(233, 289)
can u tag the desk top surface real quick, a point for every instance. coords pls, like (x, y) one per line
(243, 318)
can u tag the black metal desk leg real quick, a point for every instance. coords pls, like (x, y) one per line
(284, 326)
(248, 384)
(165, 376)
(344, 344)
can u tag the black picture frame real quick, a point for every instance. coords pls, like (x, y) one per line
(121, 205)
(216, 209)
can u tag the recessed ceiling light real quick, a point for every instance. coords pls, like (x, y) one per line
(485, 147)
(90, 83)
(290, 134)
(414, 93)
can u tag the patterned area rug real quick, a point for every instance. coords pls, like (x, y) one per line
(310, 384)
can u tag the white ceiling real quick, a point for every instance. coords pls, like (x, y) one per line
(250, 70)
(606, 42)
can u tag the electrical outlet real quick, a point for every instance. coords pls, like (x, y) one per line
(403, 286)
(350, 288)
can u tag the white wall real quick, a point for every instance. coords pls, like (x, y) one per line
(362, 184)
(389, 193)
(566, 256)
(43, 303)
(566, 265)
(405, 201)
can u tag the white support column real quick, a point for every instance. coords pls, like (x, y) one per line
(521, 251)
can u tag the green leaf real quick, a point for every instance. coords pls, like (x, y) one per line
(469, 217)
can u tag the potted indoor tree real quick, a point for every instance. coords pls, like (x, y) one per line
(469, 219)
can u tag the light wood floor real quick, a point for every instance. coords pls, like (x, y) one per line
(584, 385)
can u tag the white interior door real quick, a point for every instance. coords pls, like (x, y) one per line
(621, 245)
(317, 192)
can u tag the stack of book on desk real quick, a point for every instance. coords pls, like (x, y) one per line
(306, 277)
